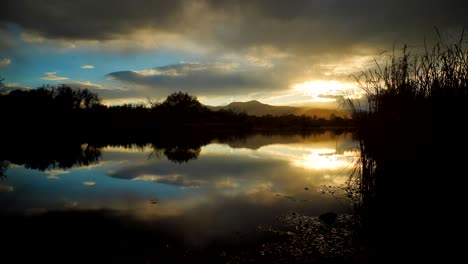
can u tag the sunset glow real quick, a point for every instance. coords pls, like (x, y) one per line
(323, 91)
(218, 52)
(232, 131)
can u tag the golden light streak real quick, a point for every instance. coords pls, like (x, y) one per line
(324, 91)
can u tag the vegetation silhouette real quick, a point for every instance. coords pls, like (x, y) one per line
(49, 126)
(408, 131)
(61, 111)
(42, 154)
(181, 148)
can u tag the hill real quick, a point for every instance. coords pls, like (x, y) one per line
(257, 108)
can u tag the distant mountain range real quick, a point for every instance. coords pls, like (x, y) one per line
(257, 108)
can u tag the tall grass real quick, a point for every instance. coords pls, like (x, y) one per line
(413, 103)
(413, 83)
(412, 96)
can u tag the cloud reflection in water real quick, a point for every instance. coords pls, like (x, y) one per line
(226, 182)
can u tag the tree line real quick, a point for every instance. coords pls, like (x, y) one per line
(53, 109)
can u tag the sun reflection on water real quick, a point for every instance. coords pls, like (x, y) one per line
(322, 159)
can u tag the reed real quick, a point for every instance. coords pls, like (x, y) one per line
(413, 104)
(413, 83)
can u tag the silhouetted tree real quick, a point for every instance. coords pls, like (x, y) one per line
(72, 99)
(182, 102)
(88, 99)
(182, 108)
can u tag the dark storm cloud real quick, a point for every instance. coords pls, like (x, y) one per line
(89, 19)
(336, 26)
(202, 78)
(6, 39)
(301, 25)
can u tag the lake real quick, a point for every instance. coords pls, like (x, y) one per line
(219, 191)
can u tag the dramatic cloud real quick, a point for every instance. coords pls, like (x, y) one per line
(203, 79)
(87, 67)
(4, 62)
(86, 20)
(51, 76)
(7, 39)
(247, 49)
(297, 26)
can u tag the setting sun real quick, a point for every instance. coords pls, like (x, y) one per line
(323, 91)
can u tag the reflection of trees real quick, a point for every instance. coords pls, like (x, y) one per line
(181, 154)
(395, 185)
(45, 154)
(184, 143)
(3, 168)
(181, 146)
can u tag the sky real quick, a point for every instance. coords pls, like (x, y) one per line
(297, 52)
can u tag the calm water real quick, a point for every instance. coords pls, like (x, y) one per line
(230, 187)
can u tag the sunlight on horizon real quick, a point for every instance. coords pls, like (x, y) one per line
(323, 91)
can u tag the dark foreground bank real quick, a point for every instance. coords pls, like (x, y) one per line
(103, 236)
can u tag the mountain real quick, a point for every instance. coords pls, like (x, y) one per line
(257, 108)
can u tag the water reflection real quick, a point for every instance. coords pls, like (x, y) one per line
(3, 167)
(231, 186)
(44, 154)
